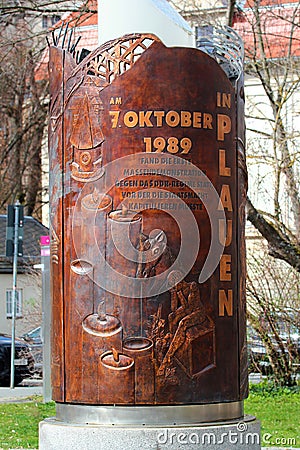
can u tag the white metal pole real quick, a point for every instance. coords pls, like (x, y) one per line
(14, 296)
(117, 17)
(47, 393)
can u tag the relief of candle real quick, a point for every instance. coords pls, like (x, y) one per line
(123, 237)
(94, 209)
(141, 350)
(100, 333)
(124, 228)
(116, 375)
(104, 326)
(77, 226)
(80, 304)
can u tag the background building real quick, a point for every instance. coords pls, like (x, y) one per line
(29, 283)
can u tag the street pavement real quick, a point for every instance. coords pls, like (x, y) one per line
(25, 391)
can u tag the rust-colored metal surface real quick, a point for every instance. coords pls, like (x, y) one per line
(147, 215)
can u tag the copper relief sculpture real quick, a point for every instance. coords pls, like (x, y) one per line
(143, 144)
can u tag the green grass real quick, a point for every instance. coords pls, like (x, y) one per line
(278, 411)
(19, 423)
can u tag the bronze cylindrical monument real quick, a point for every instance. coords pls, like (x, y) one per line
(148, 187)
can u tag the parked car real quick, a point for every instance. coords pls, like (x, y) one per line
(257, 355)
(24, 360)
(288, 331)
(34, 336)
(34, 339)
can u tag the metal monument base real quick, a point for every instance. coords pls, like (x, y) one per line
(161, 427)
(242, 435)
(149, 415)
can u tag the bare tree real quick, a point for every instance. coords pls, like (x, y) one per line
(201, 13)
(273, 289)
(24, 97)
(35, 7)
(22, 114)
(271, 34)
(271, 38)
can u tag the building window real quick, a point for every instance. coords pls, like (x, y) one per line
(45, 22)
(55, 19)
(203, 33)
(9, 303)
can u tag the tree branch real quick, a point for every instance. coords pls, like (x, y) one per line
(230, 12)
(279, 243)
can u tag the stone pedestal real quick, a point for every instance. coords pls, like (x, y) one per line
(232, 435)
